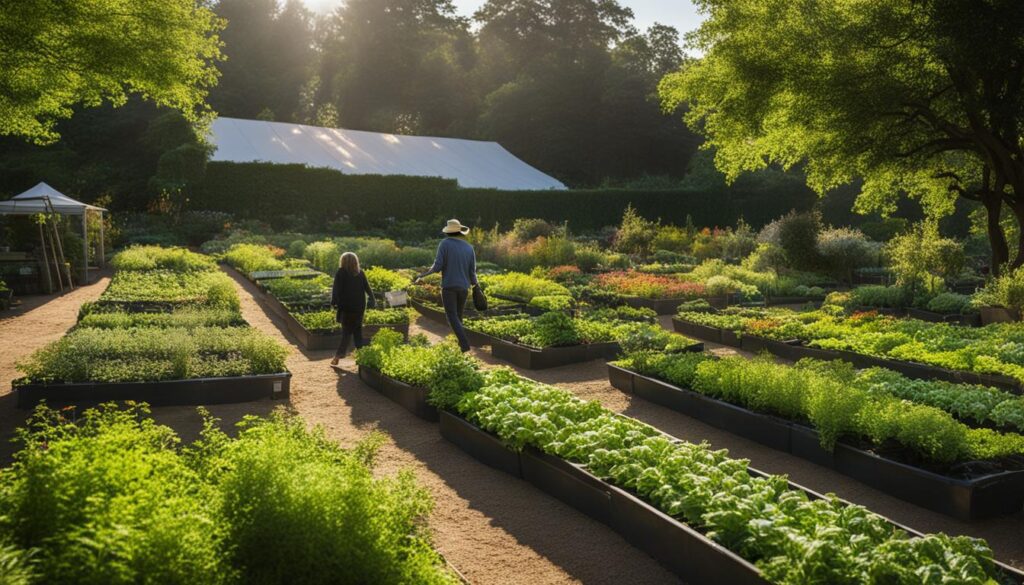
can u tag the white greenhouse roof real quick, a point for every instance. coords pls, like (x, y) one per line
(472, 163)
(31, 202)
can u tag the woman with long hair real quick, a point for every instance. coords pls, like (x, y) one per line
(350, 296)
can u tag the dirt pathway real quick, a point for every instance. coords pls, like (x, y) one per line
(39, 320)
(495, 529)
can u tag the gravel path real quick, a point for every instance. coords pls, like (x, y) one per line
(492, 527)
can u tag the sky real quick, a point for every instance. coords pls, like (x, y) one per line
(678, 13)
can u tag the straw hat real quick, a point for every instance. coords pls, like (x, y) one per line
(454, 227)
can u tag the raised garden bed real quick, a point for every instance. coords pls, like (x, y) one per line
(412, 398)
(976, 498)
(964, 320)
(550, 357)
(669, 306)
(438, 316)
(194, 391)
(706, 332)
(683, 550)
(794, 350)
(793, 300)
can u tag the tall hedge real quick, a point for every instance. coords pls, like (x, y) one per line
(268, 192)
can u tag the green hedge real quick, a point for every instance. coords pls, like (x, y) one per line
(268, 192)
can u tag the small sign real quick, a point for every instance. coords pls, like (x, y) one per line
(26, 271)
(396, 298)
(278, 387)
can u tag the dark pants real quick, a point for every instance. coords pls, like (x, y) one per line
(351, 328)
(454, 301)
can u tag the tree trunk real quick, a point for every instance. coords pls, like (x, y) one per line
(996, 238)
(1018, 212)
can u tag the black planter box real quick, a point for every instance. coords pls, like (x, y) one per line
(482, 445)
(683, 550)
(551, 357)
(793, 300)
(321, 340)
(965, 320)
(196, 391)
(568, 482)
(974, 499)
(691, 329)
(411, 398)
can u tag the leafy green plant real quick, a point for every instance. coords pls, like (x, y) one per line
(383, 280)
(949, 303)
(759, 518)
(186, 318)
(211, 289)
(113, 498)
(326, 320)
(552, 302)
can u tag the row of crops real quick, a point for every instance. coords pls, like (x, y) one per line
(167, 315)
(789, 534)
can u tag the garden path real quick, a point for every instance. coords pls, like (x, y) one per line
(39, 320)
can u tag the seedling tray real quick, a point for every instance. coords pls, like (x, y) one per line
(194, 391)
(411, 398)
(965, 499)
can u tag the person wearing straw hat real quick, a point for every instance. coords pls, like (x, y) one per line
(456, 261)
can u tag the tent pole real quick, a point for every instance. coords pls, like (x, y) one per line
(85, 247)
(102, 248)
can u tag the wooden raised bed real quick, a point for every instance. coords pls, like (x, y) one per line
(194, 391)
(982, 497)
(683, 550)
(411, 398)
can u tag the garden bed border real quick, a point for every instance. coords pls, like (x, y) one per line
(411, 398)
(984, 497)
(188, 392)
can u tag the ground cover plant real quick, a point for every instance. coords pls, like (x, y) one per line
(96, 316)
(116, 498)
(786, 534)
(992, 349)
(880, 409)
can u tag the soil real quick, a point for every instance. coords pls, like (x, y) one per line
(491, 527)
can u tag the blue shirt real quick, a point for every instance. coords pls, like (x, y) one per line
(456, 261)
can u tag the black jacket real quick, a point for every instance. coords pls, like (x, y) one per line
(351, 293)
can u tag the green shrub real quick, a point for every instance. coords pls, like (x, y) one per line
(922, 260)
(635, 234)
(949, 303)
(383, 280)
(552, 302)
(297, 249)
(589, 258)
(112, 499)
(876, 295)
(329, 519)
(841, 250)
(1005, 291)
(324, 256)
(109, 500)
(529, 229)
(798, 238)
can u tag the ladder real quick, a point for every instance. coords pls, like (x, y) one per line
(50, 238)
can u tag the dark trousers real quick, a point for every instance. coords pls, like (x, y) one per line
(454, 301)
(351, 328)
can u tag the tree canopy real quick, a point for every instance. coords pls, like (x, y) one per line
(56, 55)
(917, 97)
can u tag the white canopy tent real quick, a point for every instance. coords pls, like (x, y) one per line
(472, 163)
(45, 199)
